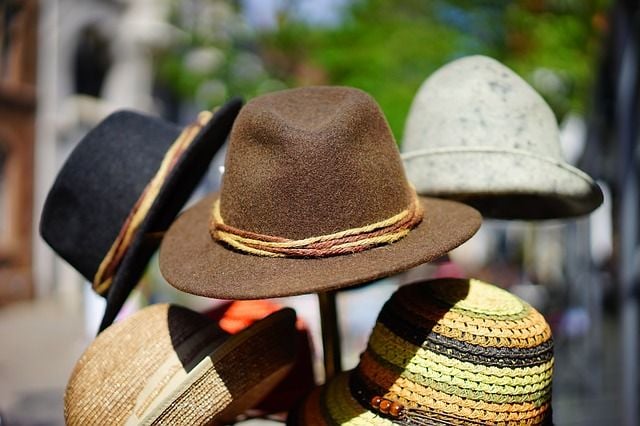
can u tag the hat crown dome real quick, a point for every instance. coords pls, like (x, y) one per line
(100, 183)
(167, 364)
(462, 348)
(130, 351)
(497, 317)
(476, 102)
(312, 161)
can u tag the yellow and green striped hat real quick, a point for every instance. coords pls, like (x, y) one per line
(446, 351)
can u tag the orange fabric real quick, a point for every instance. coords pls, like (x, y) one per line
(233, 317)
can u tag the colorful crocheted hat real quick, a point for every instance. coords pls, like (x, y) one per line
(446, 351)
(478, 133)
(172, 366)
(120, 189)
(313, 198)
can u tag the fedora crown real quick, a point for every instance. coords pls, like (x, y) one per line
(120, 189)
(312, 161)
(476, 102)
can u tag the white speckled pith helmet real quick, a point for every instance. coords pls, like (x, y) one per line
(479, 133)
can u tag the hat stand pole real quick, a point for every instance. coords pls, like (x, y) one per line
(330, 334)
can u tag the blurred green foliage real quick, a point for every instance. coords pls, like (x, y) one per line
(215, 55)
(387, 48)
(385, 54)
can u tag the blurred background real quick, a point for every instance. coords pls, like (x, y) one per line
(66, 64)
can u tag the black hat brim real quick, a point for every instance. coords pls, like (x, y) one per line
(174, 193)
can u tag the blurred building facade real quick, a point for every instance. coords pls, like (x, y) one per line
(18, 41)
(94, 58)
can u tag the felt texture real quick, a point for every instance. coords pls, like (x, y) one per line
(311, 161)
(103, 178)
(193, 262)
(478, 132)
(99, 184)
(300, 163)
(543, 190)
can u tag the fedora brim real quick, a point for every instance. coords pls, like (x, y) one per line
(193, 262)
(176, 190)
(504, 184)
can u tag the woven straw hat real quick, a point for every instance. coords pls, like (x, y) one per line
(168, 365)
(314, 198)
(120, 188)
(477, 132)
(446, 351)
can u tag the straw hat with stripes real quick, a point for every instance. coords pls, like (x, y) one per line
(447, 351)
(169, 365)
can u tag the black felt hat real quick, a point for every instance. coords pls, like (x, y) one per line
(128, 165)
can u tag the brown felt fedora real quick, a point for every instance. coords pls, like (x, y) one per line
(314, 198)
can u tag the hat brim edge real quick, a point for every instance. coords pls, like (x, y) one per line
(193, 262)
(135, 261)
(446, 173)
(314, 408)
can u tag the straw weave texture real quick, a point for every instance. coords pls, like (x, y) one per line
(167, 365)
(267, 354)
(110, 374)
(450, 351)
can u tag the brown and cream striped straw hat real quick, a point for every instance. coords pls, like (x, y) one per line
(314, 198)
(444, 352)
(168, 365)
